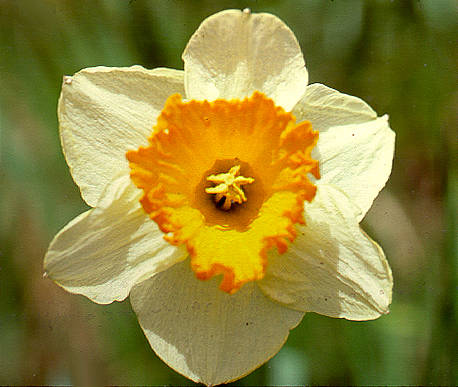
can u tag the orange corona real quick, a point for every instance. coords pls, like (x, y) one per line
(228, 179)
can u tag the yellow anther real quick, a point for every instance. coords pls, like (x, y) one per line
(229, 187)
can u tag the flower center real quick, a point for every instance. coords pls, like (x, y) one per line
(229, 189)
(228, 179)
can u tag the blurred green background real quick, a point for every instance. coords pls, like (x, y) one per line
(399, 55)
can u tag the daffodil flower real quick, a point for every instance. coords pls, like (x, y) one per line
(226, 198)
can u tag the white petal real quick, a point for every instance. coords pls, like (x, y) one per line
(103, 112)
(332, 267)
(234, 53)
(103, 252)
(357, 159)
(325, 107)
(355, 148)
(206, 334)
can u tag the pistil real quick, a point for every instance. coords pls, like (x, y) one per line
(228, 189)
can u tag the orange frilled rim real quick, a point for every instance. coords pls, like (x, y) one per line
(196, 139)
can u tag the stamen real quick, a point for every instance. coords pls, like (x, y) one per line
(228, 190)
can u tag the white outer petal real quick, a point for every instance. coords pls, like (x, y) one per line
(105, 111)
(103, 252)
(234, 53)
(357, 158)
(332, 268)
(355, 148)
(325, 107)
(204, 333)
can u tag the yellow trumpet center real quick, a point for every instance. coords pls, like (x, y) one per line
(228, 190)
(228, 221)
